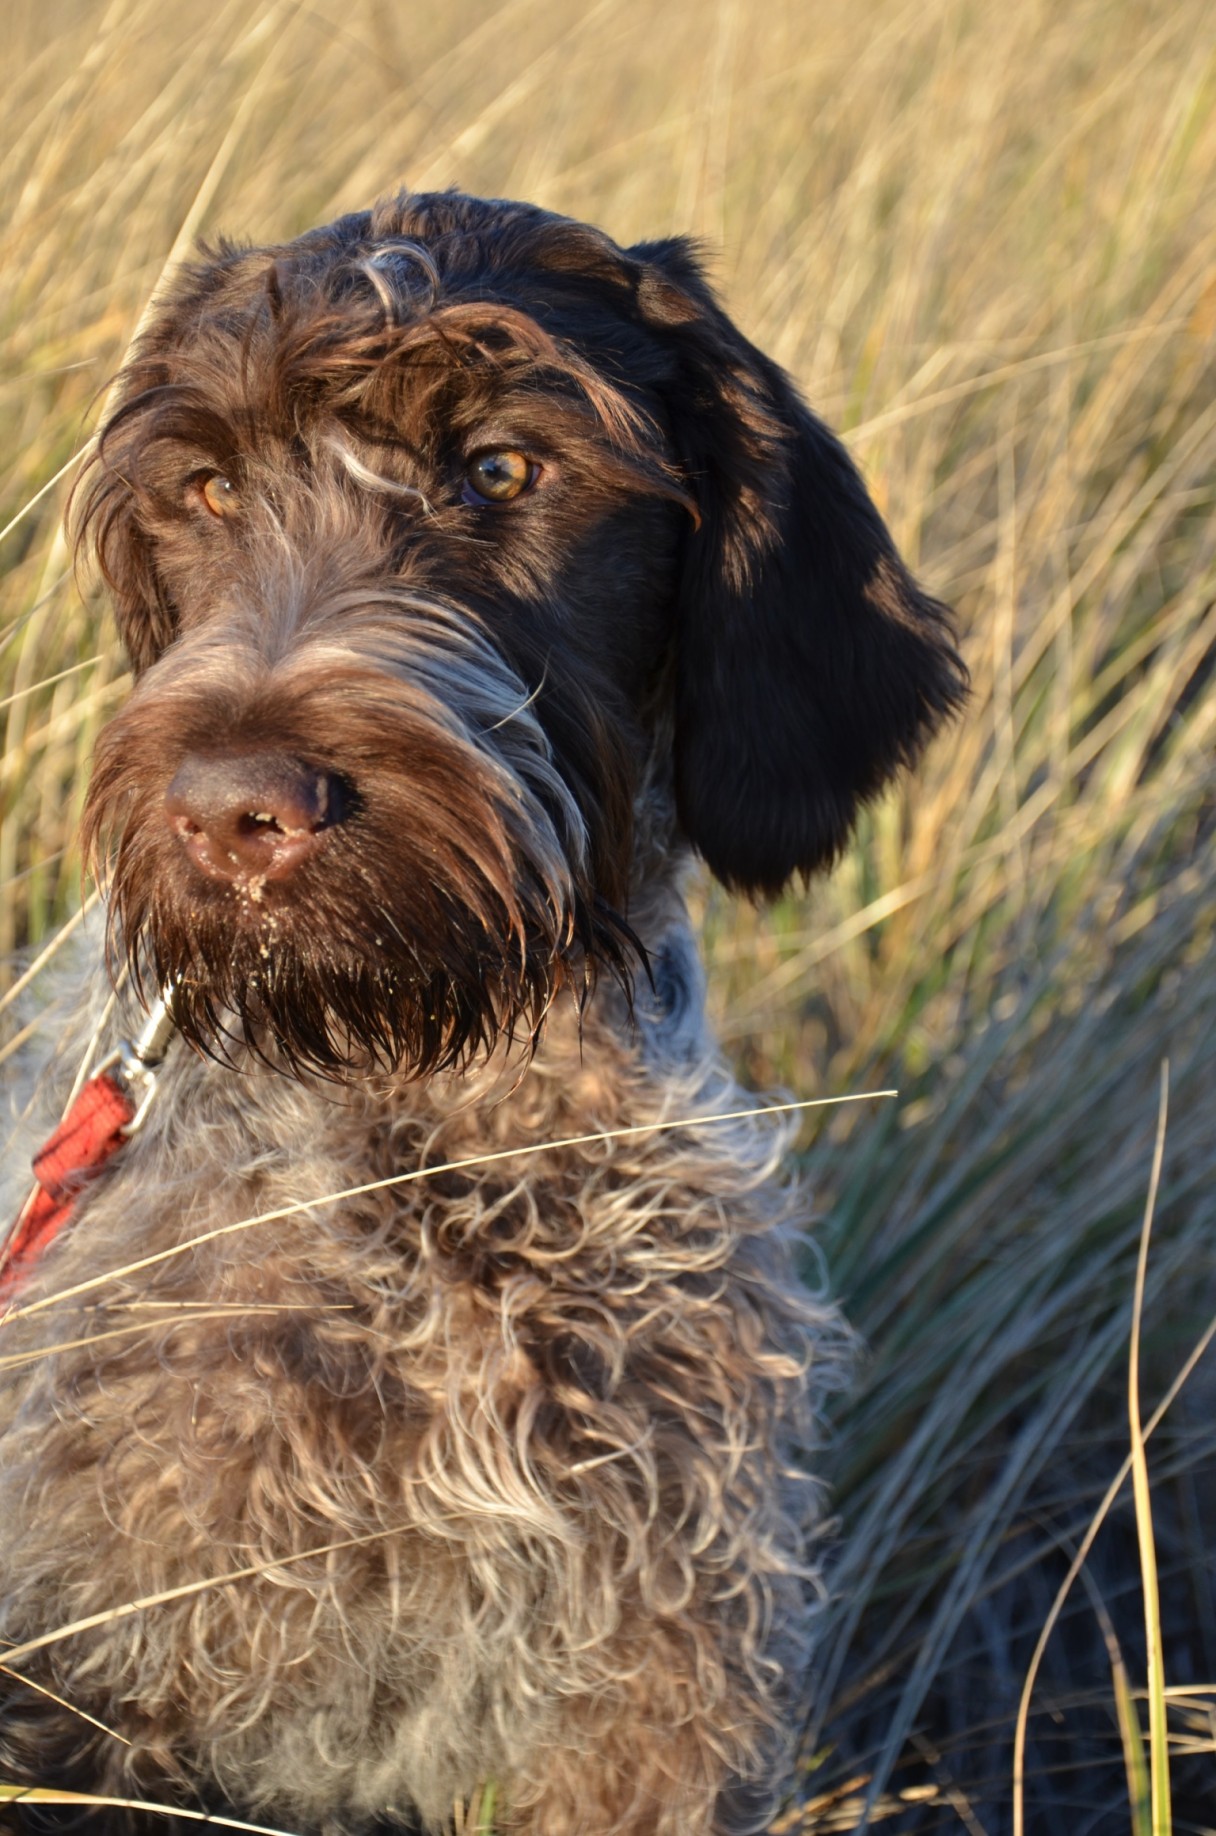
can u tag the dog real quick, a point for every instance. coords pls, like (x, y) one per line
(431, 1387)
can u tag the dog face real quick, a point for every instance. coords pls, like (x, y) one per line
(437, 537)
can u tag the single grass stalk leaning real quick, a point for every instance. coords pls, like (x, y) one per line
(16, 1653)
(476, 1818)
(40, 1689)
(1131, 1739)
(523, 1151)
(44, 956)
(1158, 1728)
(1140, 1438)
(22, 1794)
(1127, 1715)
(1197, 1352)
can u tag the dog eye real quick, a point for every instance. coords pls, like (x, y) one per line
(219, 494)
(497, 477)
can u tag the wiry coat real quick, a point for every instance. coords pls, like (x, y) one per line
(495, 1471)
(556, 1377)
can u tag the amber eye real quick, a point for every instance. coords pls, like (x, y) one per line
(495, 478)
(219, 494)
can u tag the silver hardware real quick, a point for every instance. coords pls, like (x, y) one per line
(137, 1061)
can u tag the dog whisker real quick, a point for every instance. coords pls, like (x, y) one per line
(521, 709)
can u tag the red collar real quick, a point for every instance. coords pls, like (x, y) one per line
(99, 1121)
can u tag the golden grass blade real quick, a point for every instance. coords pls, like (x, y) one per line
(525, 1151)
(36, 1794)
(203, 198)
(16, 1653)
(41, 1689)
(33, 502)
(1127, 1716)
(1131, 1739)
(62, 675)
(950, 1792)
(1159, 1756)
(1087, 1542)
(1007, 372)
(48, 952)
(93, 1044)
(182, 243)
(137, 1329)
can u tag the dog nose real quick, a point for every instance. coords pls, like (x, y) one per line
(253, 816)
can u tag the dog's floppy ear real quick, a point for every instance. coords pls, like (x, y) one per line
(809, 665)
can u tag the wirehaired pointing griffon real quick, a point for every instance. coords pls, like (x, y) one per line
(476, 574)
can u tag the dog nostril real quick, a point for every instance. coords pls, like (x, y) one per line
(249, 818)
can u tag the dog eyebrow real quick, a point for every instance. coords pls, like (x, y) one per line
(507, 338)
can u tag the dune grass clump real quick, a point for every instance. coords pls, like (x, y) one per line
(984, 240)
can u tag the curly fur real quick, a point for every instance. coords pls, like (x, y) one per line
(516, 1451)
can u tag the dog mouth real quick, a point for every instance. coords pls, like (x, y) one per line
(340, 926)
(342, 1014)
(325, 985)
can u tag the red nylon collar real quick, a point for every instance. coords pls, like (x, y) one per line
(99, 1121)
(89, 1134)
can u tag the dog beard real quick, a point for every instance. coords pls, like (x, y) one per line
(344, 979)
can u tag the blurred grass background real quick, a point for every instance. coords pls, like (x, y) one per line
(984, 239)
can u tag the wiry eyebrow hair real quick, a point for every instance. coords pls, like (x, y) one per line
(355, 353)
(371, 480)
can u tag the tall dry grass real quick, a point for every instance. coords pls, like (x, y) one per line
(984, 238)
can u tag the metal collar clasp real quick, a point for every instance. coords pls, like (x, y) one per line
(135, 1063)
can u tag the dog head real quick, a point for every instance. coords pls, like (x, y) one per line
(439, 538)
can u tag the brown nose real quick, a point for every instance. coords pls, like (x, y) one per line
(252, 816)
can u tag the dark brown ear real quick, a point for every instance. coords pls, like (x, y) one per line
(810, 667)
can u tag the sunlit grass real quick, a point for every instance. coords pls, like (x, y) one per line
(984, 239)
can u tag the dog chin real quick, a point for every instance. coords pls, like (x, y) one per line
(344, 1018)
